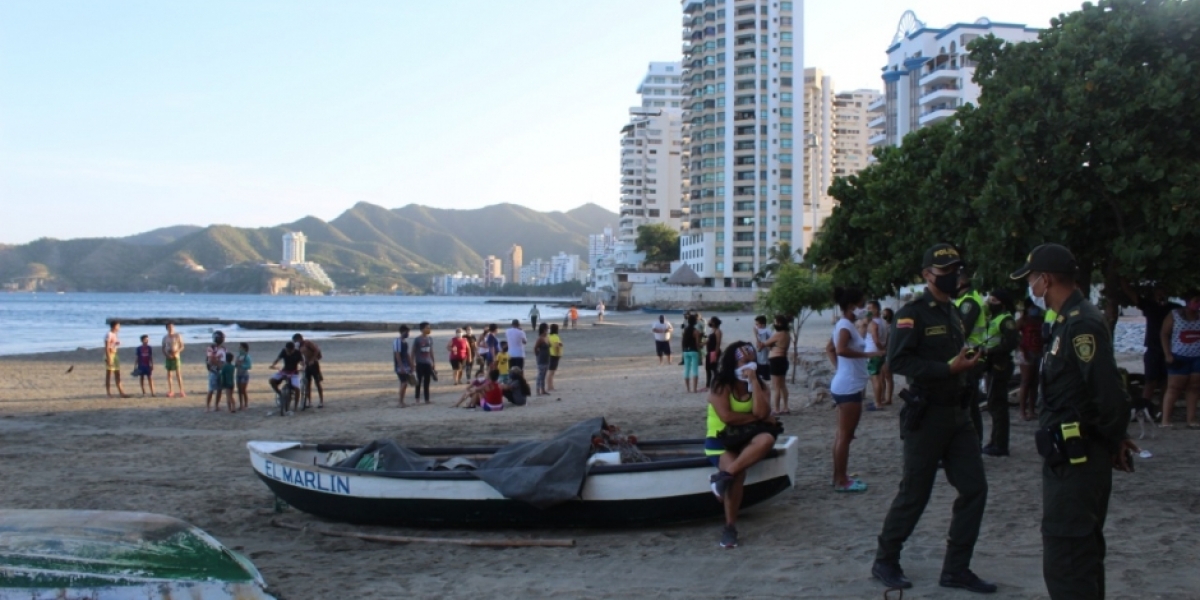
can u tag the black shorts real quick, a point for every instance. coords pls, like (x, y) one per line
(516, 361)
(662, 348)
(455, 364)
(764, 372)
(554, 363)
(313, 373)
(779, 366)
(1155, 363)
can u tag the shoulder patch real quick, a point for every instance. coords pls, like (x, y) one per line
(965, 308)
(932, 304)
(1085, 347)
(1009, 324)
(1074, 313)
(905, 323)
(1060, 319)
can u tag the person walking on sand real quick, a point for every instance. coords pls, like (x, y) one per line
(214, 359)
(172, 347)
(112, 363)
(422, 357)
(662, 339)
(516, 345)
(243, 364)
(574, 315)
(534, 315)
(401, 361)
(459, 350)
(143, 365)
(600, 312)
(689, 344)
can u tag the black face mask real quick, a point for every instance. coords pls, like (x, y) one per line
(780, 328)
(946, 284)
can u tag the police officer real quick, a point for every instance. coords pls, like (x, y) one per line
(970, 304)
(928, 346)
(1082, 397)
(1002, 339)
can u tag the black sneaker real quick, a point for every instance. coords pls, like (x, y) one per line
(729, 537)
(966, 580)
(991, 450)
(890, 574)
(719, 482)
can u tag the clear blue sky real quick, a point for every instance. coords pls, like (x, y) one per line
(122, 116)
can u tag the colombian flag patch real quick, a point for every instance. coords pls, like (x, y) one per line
(905, 324)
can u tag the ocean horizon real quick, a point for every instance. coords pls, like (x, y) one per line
(50, 322)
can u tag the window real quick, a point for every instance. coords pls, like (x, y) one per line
(785, 236)
(785, 127)
(785, 97)
(786, 36)
(785, 67)
(785, 111)
(720, 236)
(785, 50)
(785, 220)
(786, 204)
(785, 143)
(720, 250)
(785, 189)
(720, 265)
(785, 6)
(785, 158)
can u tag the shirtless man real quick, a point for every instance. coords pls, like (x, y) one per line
(172, 347)
(312, 370)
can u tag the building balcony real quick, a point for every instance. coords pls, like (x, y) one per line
(877, 122)
(944, 94)
(944, 74)
(878, 105)
(938, 113)
(877, 139)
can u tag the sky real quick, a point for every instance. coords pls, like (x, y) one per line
(123, 116)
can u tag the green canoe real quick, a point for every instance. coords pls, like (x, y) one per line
(77, 554)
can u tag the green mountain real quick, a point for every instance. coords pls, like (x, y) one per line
(368, 247)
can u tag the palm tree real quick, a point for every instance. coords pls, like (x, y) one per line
(777, 256)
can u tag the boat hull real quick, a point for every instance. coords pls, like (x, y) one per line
(640, 494)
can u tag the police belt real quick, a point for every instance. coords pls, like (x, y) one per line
(942, 392)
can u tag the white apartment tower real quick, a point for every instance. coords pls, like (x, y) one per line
(741, 61)
(852, 131)
(819, 143)
(651, 144)
(928, 74)
(293, 248)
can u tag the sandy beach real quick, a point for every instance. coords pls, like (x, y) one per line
(66, 446)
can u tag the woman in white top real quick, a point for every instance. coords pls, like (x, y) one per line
(848, 352)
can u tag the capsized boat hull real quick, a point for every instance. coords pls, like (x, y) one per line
(639, 494)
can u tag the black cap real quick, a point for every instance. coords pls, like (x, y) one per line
(941, 256)
(1047, 258)
(1004, 296)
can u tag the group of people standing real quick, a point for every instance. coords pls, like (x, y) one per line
(498, 355)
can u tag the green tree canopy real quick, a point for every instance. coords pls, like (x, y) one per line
(659, 242)
(1084, 137)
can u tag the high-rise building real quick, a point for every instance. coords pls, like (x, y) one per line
(492, 271)
(651, 145)
(852, 131)
(599, 246)
(929, 73)
(512, 264)
(293, 248)
(742, 164)
(818, 152)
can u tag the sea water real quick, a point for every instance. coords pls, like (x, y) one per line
(40, 322)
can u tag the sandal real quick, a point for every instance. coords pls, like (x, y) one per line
(853, 487)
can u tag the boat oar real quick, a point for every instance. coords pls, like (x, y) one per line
(405, 539)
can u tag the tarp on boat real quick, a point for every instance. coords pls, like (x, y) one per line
(543, 473)
(386, 455)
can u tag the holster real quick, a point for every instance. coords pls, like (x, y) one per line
(1050, 445)
(915, 405)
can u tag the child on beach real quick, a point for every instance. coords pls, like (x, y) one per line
(143, 365)
(243, 366)
(502, 361)
(228, 378)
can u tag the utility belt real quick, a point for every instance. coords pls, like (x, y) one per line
(917, 400)
(1063, 443)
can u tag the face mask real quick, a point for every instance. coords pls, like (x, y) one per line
(1039, 301)
(859, 313)
(946, 284)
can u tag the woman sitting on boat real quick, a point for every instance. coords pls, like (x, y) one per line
(741, 430)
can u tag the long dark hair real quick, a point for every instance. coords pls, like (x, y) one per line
(847, 297)
(725, 380)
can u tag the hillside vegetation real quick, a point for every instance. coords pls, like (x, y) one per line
(368, 248)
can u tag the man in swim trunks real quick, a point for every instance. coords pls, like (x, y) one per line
(112, 363)
(172, 347)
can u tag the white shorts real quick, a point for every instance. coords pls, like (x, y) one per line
(293, 377)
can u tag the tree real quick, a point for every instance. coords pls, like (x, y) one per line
(777, 256)
(798, 292)
(1084, 137)
(659, 242)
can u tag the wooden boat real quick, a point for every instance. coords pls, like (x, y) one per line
(84, 554)
(672, 487)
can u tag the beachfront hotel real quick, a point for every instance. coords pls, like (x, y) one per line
(651, 145)
(928, 74)
(743, 91)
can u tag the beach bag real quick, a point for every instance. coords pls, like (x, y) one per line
(736, 437)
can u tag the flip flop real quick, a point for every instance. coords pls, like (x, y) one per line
(855, 486)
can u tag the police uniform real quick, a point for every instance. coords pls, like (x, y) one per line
(1002, 339)
(975, 318)
(926, 336)
(1080, 383)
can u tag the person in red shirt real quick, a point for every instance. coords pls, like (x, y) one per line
(492, 398)
(1029, 357)
(460, 353)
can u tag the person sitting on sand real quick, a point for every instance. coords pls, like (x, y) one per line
(740, 403)
(492, 398)
(471, 395)
(517, 389)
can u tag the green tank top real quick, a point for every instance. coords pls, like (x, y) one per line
(716, 425)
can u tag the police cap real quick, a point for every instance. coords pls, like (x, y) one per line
(1047, 258)
(941, 256)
